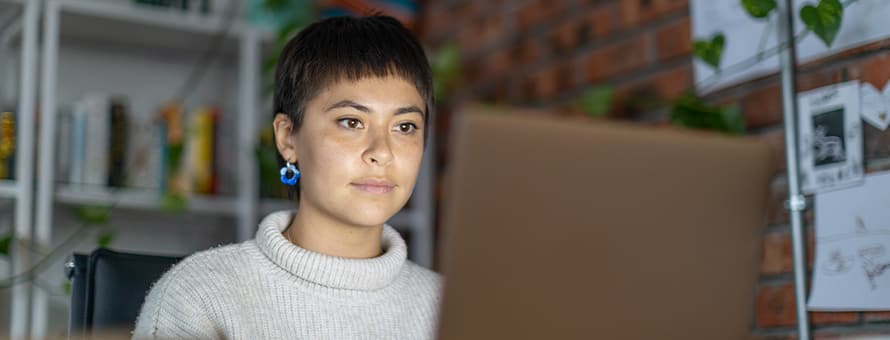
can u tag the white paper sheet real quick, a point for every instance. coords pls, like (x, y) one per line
(830, 145)
(852, 268)
(864, 21)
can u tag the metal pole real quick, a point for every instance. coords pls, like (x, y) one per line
(21, 293)
(248, 76)
(796, 201)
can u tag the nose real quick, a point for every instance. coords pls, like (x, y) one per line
(379, 151)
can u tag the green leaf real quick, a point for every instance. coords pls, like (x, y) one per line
(93, 214)
(445, 65)
(710, 51)
(759, 9)
(273, 4)
(824, 19)
(733, 119)
(597, 101)
(691, 111)
(5, 242)
(66, 287)
(104, 239)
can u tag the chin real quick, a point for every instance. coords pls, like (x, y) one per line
(372, 216)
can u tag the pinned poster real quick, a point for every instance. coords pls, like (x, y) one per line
(852, 267)
(830, 147)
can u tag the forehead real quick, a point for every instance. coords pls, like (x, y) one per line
(389, 90)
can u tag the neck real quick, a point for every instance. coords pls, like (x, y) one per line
(318, 232)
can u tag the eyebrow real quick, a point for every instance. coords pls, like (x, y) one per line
(365, 109)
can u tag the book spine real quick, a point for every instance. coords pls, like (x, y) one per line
(64, 129)
(7, 145)
(117, 143)
(175, 181)
(96, 166)
(200, 150)
(78, 143)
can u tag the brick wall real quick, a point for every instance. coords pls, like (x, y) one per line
(544, 53)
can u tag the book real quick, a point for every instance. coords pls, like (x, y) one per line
(117, 142)
(77, 143)
(63, 143)
(200, 153)
(96, 140)
(7, 144)
(174, 179)
(144, 168)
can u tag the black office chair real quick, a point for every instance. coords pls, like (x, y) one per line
(109, 287)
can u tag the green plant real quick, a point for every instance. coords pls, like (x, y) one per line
(689, 110)
(445, 64)
(91, 218)
(597, 101)
(822, 19)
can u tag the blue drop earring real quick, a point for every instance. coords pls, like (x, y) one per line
(293, 179)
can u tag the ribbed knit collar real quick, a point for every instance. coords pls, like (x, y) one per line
(330, 271)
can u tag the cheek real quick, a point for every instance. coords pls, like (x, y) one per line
(412, 156)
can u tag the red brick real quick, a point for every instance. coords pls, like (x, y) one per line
(812, 80)
(544, 84)
(876, 316)
(496, 65)
(482, 32)
(876, 70)
(564, 38)
(622, 57)
(763, 107)
(674, 40)
(673, 82)
(833, 318)
(776, 213)
(525, 52)
(466, 10)
(775, 306)
(635, 12)
(776, 257)
(537, 12)
(444, 20)
(603, 20)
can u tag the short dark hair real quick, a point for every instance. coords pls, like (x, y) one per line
(347, 49)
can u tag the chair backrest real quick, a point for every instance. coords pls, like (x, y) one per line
(109, 287)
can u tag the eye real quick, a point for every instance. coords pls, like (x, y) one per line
(350, 123)
(406, 128)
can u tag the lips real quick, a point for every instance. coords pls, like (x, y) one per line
(374, 185)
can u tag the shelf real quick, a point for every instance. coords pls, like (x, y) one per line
(128, 23)
(8, 189)
(403, 220)
(143, 199)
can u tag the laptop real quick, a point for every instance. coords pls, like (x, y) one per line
(557, 228)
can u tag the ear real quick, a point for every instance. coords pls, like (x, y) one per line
(284, 139)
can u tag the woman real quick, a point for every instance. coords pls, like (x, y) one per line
(353, 98)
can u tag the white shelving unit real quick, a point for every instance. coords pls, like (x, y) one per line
(109, 25)
(115, 24)
(20, 188)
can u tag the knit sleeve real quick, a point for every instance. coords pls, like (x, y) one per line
(173, 310)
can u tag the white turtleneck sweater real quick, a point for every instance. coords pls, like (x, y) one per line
(269, 288)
